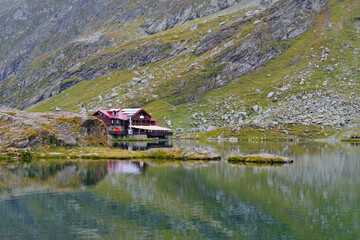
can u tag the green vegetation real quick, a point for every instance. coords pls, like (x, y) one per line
(258, 159)
(26, 156)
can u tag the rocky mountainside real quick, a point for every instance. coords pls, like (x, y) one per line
(32, 30)
(196, 65)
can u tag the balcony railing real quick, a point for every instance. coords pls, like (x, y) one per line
(153, 133)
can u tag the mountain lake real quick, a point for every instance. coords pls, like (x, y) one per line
(316, 197)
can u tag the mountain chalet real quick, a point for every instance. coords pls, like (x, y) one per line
(131, 123)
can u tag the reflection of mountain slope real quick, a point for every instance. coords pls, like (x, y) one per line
(45, 177)
(189, 202)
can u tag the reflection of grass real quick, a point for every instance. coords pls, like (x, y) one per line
(257, 164)
(353, 140)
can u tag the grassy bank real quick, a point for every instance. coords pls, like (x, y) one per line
(106, 153)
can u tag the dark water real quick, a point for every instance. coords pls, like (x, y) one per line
(317, 197)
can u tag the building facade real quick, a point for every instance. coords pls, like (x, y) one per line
(131, 123)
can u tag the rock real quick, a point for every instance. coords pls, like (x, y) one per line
(343, 46)
(168, 122)
(233, 139)
(211, 128)
(193, 27)
(270, 95)
(134, 81)
(255, 108)
(22, 144)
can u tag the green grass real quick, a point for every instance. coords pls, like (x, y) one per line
(95, 153)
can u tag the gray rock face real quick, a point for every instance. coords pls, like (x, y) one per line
(210, 41)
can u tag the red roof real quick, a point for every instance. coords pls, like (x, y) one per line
(122, 114)
(110, 114)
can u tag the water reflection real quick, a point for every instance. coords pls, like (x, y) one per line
(59, 176)
(352, 144)
(316, 197)
(133, 146)
(122, 167)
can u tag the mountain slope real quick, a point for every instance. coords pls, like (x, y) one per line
(32, 30)
(283, 67)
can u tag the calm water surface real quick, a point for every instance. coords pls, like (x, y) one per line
(317, 197)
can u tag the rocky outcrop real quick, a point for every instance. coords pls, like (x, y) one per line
(19, 129)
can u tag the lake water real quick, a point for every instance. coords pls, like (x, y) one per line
(316, 197)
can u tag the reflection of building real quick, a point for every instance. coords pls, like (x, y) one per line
(131, 123)
(126, 167)
(142, 145)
